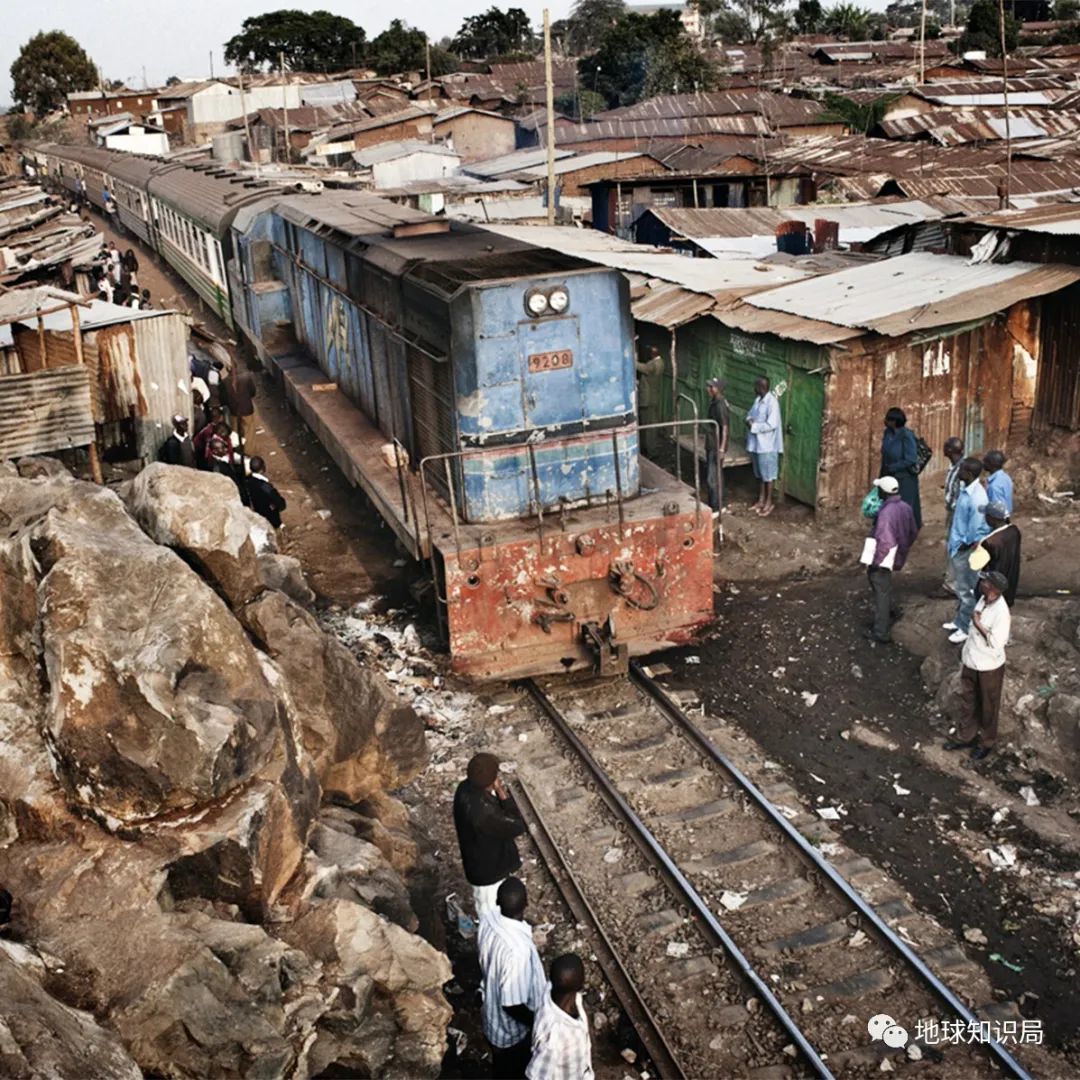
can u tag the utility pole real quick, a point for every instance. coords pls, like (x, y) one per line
(211, 63)
(922, 45)
(427, 71)
(247, 124)
(285, 107)
(1005, 98)
(550, 87)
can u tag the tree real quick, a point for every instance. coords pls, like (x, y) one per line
(589, 22)
(173, 80)
(809, 16)
(619, 67)
(399, 47)
(678, 66)
(849, 21)
(318, 41)
(580, 105)
(860, 119)
(50, 66)
(984, 32)
(1066, 10)
(19, 128)
(745, 20)
(494, 33)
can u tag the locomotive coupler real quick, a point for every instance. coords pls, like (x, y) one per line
(611, 657)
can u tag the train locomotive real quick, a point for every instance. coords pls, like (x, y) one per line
(481, 392)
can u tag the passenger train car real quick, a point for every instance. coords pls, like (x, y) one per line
(480, 390)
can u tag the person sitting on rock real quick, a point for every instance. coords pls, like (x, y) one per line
(513, 980)
(177, 449)
(561, 1047)
(487, 821)
(263, 497)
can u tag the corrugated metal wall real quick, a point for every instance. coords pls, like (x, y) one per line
(1058, 402)
(59, 348)
(45, 411)
(161, 348)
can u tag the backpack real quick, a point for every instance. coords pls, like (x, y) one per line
(872, 503)
(923, 454)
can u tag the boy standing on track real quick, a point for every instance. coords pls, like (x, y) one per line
(487, 821)
(513, 980)
(561, 1048)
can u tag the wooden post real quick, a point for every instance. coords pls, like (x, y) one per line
(550, 88)
(1005, 99)
(285, 108)
(80, 359)
(41, 343)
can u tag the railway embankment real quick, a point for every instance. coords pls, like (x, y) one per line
(208, 871)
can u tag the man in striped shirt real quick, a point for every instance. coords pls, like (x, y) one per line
(561, 1049)
(513, 983)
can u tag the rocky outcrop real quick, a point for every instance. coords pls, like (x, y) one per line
(162, 826)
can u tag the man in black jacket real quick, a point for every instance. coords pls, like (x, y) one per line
(177, 448)
(265, 498)
(487, 820)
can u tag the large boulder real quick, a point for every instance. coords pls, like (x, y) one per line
(158, 700)
(361, 736)
(41, 1037)
(200, 515)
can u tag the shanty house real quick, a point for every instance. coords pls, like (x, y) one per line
(398, 163)
(476, 133)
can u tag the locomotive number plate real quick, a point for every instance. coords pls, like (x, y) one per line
(551, 361)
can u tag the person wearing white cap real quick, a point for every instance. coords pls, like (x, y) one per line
(177, 449)
(894, 533)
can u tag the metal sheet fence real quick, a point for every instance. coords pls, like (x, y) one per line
(44, 411)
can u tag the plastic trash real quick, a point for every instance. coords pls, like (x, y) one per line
(456, 914)
(732, 901)
(677, 948)
(809, 699)
(828, 813)
(999, 959)
(1029, 796)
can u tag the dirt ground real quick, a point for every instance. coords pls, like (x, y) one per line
(791, 604)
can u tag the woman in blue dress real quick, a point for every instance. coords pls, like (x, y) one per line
(899, 458)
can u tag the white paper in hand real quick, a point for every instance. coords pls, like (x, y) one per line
(868, 549)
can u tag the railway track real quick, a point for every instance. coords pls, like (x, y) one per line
(734, 946)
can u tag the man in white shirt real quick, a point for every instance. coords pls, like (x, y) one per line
(764, 443)
(561, 1048)
(513, 979)
(983, 673)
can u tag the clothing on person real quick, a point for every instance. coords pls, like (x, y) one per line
(984, 651)
(561, 1047)
(766, 466)
(485, 898)
(486, 827)
(966, 580)
(720, 412)
(1003, 546)
(512, 975)
(899, 458)
(952, 484)
(265, 499)
(894, 532)
(983, 674)
(765, 434)
(240, 391)
(245, 427)
(968, 523)
(227, 466)
(950, 577)
(999, 488)
(178, 449)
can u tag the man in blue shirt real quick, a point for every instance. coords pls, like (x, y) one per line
(968, 528)
(764, 443)
(999, 485)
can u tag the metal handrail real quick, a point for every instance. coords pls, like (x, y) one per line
(700, 908)
(697, 462)
(680, 397)
(820, 863)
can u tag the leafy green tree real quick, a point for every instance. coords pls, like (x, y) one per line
(315, 41)
(861, 119)
(678, 66)
(1067, 35)
(443, 61)
(983, 30)
(933, 30)
(173, 80)
(580, 105)
(849, 21)
(809, 16)
(50, 66)
(589, 23)
(400, 47)
(19, 127)
(1066, 10)
(745, 20)
(620, 66)
(494, 33)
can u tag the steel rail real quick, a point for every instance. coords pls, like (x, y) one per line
(652, 1038)
(672, 709)
(655, 850)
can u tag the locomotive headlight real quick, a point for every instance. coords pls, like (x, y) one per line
(536, 303)
(558, 300)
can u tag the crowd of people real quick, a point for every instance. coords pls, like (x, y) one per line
(116, 279)
(534, 1022)
(224, 409)
(982, 564)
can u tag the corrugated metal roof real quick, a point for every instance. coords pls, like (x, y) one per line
(951, 127)
(663, 303)
(391, 151)
(574, 162)
(45, 411)
(781, 109)
(512, 162)
(751, 320)
(915, 291)
(750, 123)
(1062, 219)
(93, 314)
(26, 303)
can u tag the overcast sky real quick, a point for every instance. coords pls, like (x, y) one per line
(174, 37)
